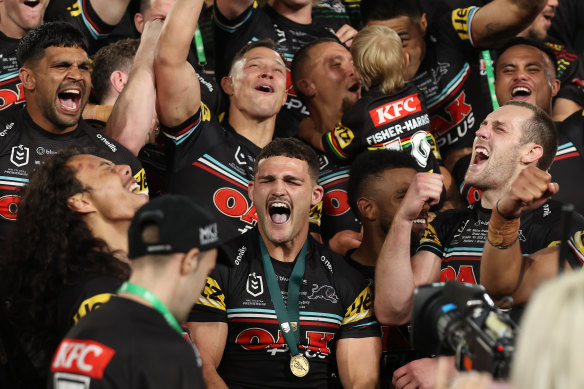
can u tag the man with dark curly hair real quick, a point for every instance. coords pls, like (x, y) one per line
(66, 255)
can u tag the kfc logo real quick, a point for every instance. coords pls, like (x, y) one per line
(84, 357)
(396, 109)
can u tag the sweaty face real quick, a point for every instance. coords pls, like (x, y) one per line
(283, 193)
(62, 83)
(540, 26)
(495, 160)
(412, 34)
(19, 16)
(333, 75)
(111, 188)
(258, 83)
(388, 192)
(526, 73)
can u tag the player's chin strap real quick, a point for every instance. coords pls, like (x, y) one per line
(288, 318)
(128, 287)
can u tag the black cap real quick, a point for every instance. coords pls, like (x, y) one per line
(182, 224)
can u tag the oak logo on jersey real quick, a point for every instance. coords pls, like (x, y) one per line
(9, 97)
(254, 285)
(395, 110)
(465, 274)
(336, 202)
(85, 357)
(343, 135)
(19, 155)
(325, 292)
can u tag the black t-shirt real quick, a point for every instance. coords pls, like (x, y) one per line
(82, 296)
(570, 72)
(213, 165)
(378, 121)
(334, 303)
(333, 214)
(11, 90)
(569, 160)
(81, 14)
(453, 79)
(458, 236)
(127, 345)
(265, 22)
(23, 145)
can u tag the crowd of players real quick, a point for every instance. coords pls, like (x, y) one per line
(296, 134)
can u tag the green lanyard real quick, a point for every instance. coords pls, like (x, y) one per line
(152, 299)
(490, 78)
(200, 47)
(289, 319)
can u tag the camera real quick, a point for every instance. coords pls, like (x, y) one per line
(461, 319)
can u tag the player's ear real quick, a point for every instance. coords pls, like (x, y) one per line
(189, 261)
(118, 80)
(306, 87)
(317, 193)
(367, 208)
(423, 22)
(533, 154)
(28, 78)
(227, 85)
(80, 203)
(250, 190)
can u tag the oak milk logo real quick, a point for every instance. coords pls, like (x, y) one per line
(255, 285)
(19, 155)
(396, 109)
(208, 234)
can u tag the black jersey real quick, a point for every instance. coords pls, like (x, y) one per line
(334, 303)
(569, 160)
(265, 22)
(457, 237)
(213, 165)
(453, 79)
(11, 89)
(396, 350)
(23, 145)
(125, 344)
(570, 72)
(333, 214)
(378, 121)
(81, 14)
(77, 299)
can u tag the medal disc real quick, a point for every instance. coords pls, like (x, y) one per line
(299, 365)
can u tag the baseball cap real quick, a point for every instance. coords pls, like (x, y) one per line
(182, 224)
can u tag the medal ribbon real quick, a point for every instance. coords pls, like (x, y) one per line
(290, 314)
(155, 301)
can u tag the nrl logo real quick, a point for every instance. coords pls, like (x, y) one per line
(255, 285)
(19, 155)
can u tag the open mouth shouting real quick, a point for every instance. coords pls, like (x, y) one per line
(70, 100)
(355, 87)
(480, 157)
(265, 88)
(521, 92)
(279, 212)
(31, 3)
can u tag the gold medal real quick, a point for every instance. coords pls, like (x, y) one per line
(299, 365)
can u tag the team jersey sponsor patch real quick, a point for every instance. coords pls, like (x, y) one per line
(84, 357)
(395, 110)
